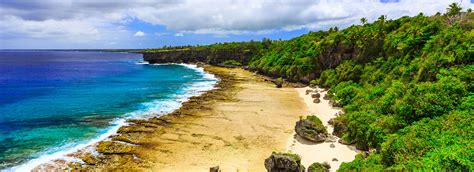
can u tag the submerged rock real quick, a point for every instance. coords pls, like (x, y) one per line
(311, 129)
(283, 162)
(309, 91)
(319, 167)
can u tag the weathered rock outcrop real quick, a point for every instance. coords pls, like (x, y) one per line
(198, 55)
(334, 103)
(315, 95)
(339, 127)
(311, 129)
(278, 82)
(319, 167)
(284, 162)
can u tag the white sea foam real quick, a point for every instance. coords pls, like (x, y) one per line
(61, 155)
(150, 109)
(142, 62)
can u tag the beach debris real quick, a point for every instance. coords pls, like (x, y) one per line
(284, 162)
(215, 169)
(316, 95)
(332, 145)
(316, 101)
(311, 129)
(319, 167)
(335, 159)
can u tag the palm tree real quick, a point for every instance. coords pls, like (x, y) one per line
(382, 18)
(363, 20)
(453, 9)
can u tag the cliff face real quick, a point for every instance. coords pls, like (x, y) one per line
(192, 56)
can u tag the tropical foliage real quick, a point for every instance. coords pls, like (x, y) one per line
(406, 85)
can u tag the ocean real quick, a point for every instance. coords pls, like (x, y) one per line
(55, 102)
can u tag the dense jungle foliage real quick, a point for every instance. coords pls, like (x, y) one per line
(406, 85)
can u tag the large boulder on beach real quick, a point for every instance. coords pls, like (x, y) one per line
(284, 162)
(319, 167)
(339, 127)
(315, 95)
(311, 129)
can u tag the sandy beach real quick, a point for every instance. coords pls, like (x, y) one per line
(235, 127)
(320, 152)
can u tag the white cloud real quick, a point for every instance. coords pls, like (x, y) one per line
(85, 21)
(254, 16)
(139, 34)
(179, 34)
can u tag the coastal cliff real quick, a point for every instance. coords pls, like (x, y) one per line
(204, 55)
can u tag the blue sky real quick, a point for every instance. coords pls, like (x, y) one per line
(58, 24)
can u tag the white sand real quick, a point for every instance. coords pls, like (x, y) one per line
(320, 152)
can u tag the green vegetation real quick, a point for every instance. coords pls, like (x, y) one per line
(406, 84)
(294, 157)
(319, 167)
(231, 63)
(317, 125)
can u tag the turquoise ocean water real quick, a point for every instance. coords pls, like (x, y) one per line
(55, 102)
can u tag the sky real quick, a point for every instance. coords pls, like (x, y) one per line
(88, 24)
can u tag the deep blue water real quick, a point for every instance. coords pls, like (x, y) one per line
(54, 100)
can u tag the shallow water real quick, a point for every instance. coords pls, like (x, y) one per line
(51, 101)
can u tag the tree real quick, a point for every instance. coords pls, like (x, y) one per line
(469, 10)
(266, 42)
(452, 13)
(382, 18)
(363, 20)
(453, 9)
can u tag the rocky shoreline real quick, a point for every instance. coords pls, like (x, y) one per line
(238, 117)
(125, 150)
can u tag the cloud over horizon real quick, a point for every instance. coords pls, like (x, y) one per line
(139, 34)
(106, 21)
